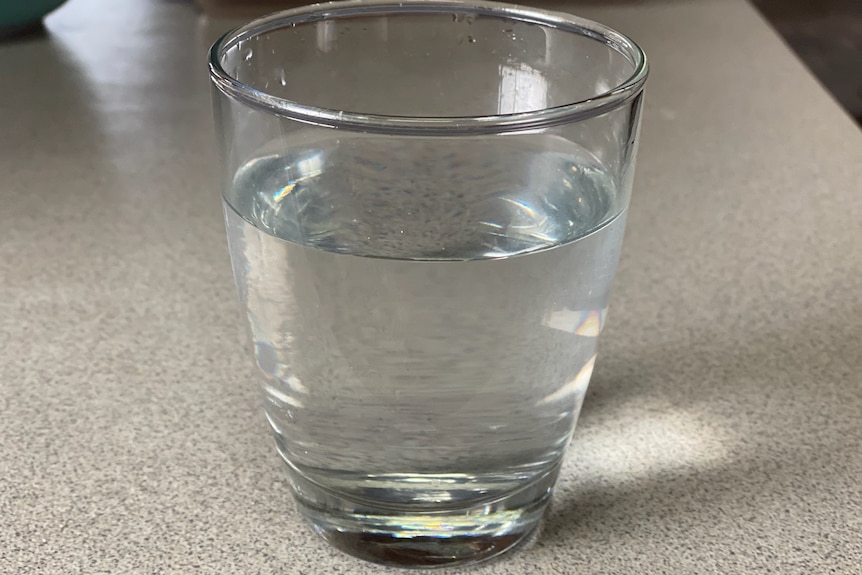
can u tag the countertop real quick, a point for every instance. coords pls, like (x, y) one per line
(723, 429)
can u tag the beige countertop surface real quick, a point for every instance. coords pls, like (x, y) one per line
(723, 429)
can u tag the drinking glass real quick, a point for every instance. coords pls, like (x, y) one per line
(425, 203)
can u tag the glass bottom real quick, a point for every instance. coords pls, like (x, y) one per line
(401, 536)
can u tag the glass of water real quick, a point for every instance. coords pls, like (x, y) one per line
(425, 202)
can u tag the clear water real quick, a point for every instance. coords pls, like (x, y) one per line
(424, 313)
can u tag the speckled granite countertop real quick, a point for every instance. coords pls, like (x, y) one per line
(723, 429)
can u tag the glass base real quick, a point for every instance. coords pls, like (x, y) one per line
(403, 536)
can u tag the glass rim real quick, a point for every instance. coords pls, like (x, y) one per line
(430, 125)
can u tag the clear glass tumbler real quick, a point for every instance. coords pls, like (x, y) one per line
(425, 201)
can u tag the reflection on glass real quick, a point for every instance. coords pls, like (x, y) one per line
(587, 323)
(522, 88)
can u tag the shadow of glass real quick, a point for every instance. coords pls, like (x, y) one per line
(716, 451)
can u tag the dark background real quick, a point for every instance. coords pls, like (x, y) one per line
(827, 36)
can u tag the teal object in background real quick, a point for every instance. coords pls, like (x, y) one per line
(18, 15)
